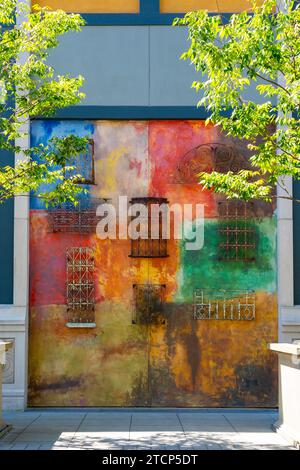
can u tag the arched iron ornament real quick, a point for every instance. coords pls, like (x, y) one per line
(213, 156)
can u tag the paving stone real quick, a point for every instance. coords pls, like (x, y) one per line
(33, 446)
(5, 446)
(44, 437)
(19, 446)
(10, 437)
(103, 428)
(143, 430)
(46, 447)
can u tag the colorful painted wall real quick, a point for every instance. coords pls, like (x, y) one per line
(181, 361)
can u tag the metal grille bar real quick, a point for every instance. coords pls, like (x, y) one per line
(236, 231)
(224, 305)
(81, 218)
(150, 247)
(80, 285)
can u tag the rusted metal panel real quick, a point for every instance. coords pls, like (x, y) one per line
(165, 358)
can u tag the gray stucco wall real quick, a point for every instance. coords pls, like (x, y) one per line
(129, 65)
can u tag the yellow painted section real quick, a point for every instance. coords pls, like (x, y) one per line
(92, 6)
(179, 6)
(97, 367)
(236, 5)
(107, 168)
(182, 363)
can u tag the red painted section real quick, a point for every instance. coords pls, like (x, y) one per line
(48, 260)
(169, 142)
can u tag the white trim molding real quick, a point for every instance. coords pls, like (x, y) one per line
(285, 251)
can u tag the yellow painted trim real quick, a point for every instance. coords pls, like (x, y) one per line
(224, 6)
(179, 6)
(92, 6)
(228, 6)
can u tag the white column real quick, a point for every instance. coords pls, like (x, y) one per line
(14, 318)
(285, 252)
(288, 313)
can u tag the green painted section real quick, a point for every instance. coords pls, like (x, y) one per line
(203, 269)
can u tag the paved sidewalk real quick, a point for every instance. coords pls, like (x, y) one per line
(140, 429)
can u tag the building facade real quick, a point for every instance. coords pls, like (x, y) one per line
(103, 322)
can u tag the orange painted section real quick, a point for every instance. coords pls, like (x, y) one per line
(92, 6)
(224, 6)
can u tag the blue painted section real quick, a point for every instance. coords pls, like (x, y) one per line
(6, 232)
(296, 236)
(42, 131)
(128, 19)
(151, 7)
(130, 112)
(6, 240)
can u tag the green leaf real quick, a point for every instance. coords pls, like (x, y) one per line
(35, 89)
(258, 51)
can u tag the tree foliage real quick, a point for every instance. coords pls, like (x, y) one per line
(30, 88)
(258, 49)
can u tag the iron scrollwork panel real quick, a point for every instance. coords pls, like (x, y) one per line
(80, 285)
(224, 305)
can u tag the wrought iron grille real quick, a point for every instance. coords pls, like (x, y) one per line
(237, 235)
(81, 218)
(150, 247)
(224, 305)
(148, 304)
(84, 165)
(80, 285)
